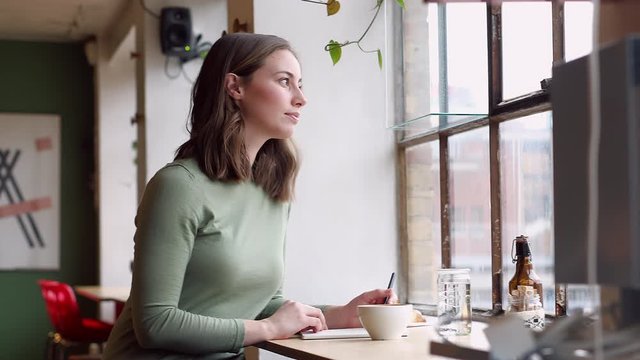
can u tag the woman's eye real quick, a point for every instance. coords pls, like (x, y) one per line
(284, 82)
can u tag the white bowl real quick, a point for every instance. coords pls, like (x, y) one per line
(385, 321)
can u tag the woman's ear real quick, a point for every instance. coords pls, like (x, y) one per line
(232, 86)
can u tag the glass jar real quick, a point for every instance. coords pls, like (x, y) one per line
(454, 302)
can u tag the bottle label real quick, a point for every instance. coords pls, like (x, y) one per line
(533, 319)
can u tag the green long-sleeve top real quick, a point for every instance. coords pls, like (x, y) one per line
(207, 255)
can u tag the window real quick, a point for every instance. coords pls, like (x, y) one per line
(475, 139)
(423, 221)
(527, 196)
(471, 238)
(527, 50)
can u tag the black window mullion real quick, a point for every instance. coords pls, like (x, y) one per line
(557, 21)
(445, 203)
(443, 76)
(522, 102)
(494, 43)
(558, 18)
(496, 217)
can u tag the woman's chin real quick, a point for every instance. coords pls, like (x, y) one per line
(283, 134)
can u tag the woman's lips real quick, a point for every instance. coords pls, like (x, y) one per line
(295, 117)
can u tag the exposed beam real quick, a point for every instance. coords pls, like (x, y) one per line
(117, 30)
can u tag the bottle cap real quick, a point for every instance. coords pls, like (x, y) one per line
(522, 246)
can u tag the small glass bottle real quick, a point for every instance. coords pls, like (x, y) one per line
(524, 275)
(525, 288)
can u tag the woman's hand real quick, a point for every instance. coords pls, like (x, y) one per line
(293, 317)
(346, 316)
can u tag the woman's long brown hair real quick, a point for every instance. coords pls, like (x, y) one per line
(216, 139)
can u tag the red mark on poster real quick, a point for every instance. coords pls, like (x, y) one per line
(44, 143)
(25, 207)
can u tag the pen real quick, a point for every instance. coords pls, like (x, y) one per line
(392, 281)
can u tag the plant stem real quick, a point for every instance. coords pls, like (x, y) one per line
(314, 2)
(378, 6)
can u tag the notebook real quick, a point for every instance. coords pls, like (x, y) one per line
(348, 333)
(335, 334)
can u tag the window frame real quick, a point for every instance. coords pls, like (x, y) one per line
(499, 110)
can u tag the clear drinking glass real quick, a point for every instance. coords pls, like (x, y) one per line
(454, 302)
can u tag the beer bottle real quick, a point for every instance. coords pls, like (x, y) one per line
(524, 275)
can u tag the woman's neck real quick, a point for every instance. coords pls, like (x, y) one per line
(252, 144)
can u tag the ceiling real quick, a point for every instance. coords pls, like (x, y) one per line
(56, 20)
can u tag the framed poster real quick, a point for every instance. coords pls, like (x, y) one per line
(29, 192)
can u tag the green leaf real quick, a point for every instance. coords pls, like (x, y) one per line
(401, 3)
(333, 6)
(380, 59)
(335, 51)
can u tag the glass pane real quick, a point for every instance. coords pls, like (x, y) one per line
(578, 22)
(420, 39)
(460, 87)
(423, 221)
(467, 67)
(582, 297)
(527, 197)
(527, 46)
(471, 211)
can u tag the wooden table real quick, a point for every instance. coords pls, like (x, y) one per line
(118, 295)
(420, 344)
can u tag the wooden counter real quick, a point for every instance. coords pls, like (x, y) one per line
(420, 344)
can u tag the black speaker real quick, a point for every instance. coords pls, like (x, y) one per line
(176, 36)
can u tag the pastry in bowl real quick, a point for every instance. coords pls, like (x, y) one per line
(417, 317)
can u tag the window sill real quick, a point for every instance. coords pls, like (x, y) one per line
(479, 315)
(472, 346)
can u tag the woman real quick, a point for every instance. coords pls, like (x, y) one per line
(209, 244)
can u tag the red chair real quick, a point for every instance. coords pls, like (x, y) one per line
(64, 313)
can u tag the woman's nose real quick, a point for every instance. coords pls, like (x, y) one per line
(299, 99)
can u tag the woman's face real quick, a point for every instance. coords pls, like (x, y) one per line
(271, 100)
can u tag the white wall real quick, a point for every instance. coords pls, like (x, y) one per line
(168, 100)
(116, 162)
(167, 109)
(342, 236)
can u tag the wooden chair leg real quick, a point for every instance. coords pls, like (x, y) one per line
(55, 345)
(50, 347)
(62, 350)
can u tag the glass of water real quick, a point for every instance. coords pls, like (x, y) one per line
(454, 302)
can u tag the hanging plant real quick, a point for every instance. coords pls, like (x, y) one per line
(335, 47)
